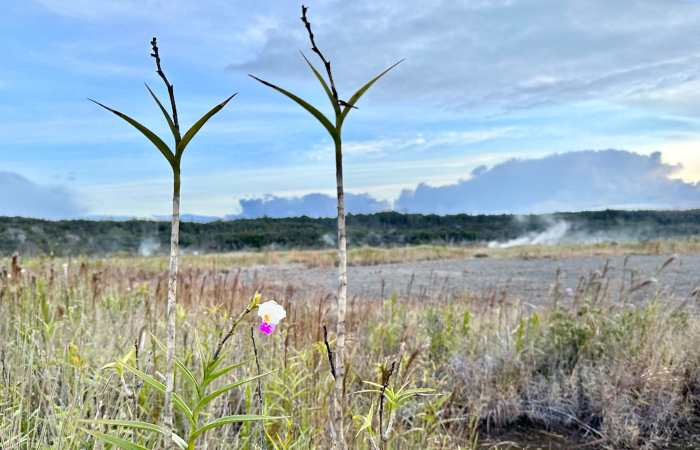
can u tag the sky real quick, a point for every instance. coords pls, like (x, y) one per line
(520, 106)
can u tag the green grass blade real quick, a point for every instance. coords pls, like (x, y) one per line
(356, 96)
(231, 419)
(315, 112)
(140, 425)
(161, 387)
(121, 443)
(203, 402)
(214, 364)
(213, 376)
(176, 133)
(185, 371)
(333, 100)
(162, 146)
(201, 353)
(197, 126)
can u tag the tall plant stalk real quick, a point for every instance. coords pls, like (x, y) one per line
(335, 132)
(174, 159)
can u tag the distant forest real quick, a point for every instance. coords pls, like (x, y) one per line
(386, 229)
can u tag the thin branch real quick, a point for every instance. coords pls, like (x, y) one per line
(263, 441)
(330, 353)
(381, 401)
(327, 64)
(248, 309)
(167, 84)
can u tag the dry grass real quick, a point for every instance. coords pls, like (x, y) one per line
(595, 368)
(368, 256)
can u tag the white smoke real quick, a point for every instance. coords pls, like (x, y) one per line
(149, 246)
(551, 236)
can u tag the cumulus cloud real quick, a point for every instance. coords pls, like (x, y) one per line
(502, 54)
(312, 205)
(21, 197)
(573, 181)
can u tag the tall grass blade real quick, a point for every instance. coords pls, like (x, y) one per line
(185, 371)
(202, 403)
(140, 425)
(173, 129)
(197, 126)
(315, 112)
(121, 443)
(161, 387)
(356, 96)
(333, 100)
(162, 146)
(232, 419)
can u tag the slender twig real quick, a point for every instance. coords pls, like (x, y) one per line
(381, 403)
(330, 353)
(263, 441)
(171, 93)
(251, 305)
(135, 398)
(326, 63)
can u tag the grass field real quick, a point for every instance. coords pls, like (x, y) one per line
(586, 371)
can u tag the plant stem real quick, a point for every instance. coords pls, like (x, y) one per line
(172, 301)
(342, 297)
(263, 440)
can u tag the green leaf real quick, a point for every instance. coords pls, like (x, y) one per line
(161, 387)
(315, 112)
(214, 364)
(197, 126)
(231, 419)
(121, 443)
(140, 425)
(203, 402)
(333, 100)
(175, 131)
(360, 93)
(366, 419)
(162, 146)
(215, 375)
(200, 352)
(185, 371)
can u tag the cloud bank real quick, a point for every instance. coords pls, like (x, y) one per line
(573, 181)
(312, 205)
(21, 197)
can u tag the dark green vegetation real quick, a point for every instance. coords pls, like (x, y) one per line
(386, 229)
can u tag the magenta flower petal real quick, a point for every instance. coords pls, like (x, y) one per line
(267, 328)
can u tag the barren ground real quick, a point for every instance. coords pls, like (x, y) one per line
(524, 280)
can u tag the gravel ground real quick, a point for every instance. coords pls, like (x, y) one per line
(527, 280)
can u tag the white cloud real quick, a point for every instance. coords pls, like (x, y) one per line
(419, 142)
(21, 197)
(497, 55)
(571, 181)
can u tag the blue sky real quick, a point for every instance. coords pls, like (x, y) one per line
(484, 81)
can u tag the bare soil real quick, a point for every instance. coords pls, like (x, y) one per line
(527, 281)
